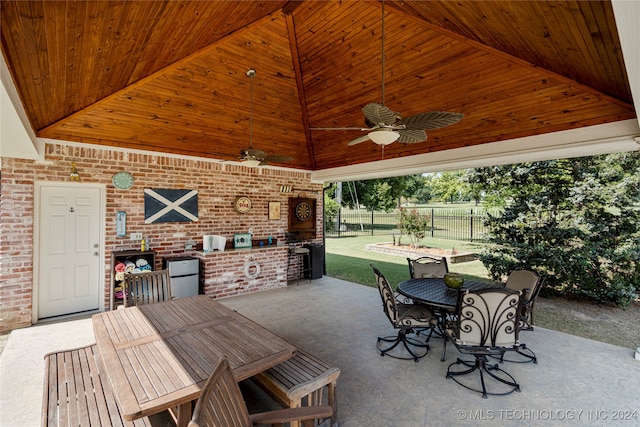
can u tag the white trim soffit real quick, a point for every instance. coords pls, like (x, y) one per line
(588, 141)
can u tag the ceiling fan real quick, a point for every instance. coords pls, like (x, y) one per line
(385, 126)
(251, 156)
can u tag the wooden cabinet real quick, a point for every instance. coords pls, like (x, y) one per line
(302, 218)
(127, 262)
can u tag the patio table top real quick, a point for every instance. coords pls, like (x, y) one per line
(158, 356)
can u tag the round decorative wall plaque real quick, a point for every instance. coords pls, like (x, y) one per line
(123, 180)
(243, 204)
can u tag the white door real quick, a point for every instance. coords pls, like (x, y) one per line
(69, 250)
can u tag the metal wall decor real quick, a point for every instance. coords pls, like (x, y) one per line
(243, 204)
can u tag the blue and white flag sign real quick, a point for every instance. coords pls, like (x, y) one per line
(167, 205)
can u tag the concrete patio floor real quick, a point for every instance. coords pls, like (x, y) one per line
(576, 381)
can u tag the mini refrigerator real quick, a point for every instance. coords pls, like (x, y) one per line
(184, 273)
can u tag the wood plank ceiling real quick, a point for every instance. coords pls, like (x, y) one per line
(170, 76)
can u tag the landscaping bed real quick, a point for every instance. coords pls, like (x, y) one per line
(452, 255)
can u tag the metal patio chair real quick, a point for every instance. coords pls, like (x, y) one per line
(405, 318)
(487, 325)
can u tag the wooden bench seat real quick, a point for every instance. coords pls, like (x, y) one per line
(75, 395)
(300, 380)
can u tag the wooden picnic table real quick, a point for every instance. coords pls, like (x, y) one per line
(158, 356)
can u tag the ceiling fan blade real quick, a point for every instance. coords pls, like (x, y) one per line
(349, 128)
(432, 120)
(411, 136)
(280, 159)
(378, 114)
(358, 140)
(253, 153)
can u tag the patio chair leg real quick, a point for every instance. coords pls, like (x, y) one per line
(481, 366)
(406, 342)
(529, 355)
(431, 332)
(444, 349)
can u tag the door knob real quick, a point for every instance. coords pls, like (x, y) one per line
(96, 245)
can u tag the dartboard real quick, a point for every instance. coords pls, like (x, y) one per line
(303, 211)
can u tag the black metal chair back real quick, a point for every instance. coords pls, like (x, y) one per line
(427, 266)
(405, 318)
(388, 298)
(529, 282)
(487, 325)
(487, 319)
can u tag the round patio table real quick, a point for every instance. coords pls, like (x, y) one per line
(434, 293)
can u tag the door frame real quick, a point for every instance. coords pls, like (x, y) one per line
(37, 211)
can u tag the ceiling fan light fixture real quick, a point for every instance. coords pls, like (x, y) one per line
(384, 137)
(251, 162)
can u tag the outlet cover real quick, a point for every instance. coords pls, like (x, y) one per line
(136, 236)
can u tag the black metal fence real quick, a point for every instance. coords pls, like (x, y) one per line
(446, 223)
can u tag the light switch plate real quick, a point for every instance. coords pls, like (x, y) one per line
(136, 236)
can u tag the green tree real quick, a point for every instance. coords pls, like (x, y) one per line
(415, 189)
(382, 194)
(451, 186)
(575, 220)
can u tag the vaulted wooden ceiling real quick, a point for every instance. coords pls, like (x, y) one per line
(169, 76)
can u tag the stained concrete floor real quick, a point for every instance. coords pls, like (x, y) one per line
(576, 382)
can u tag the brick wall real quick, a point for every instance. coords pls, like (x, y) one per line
(225, 273)
(218, 185)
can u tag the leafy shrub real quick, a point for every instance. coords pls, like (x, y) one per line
(413, 224)
(331, 209)
(575, 220)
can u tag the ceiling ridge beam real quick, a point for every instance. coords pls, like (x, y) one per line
(291, 7)
(302, 98)
(133, 86)
(518, 61)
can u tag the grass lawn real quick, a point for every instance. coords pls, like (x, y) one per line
(347, 259)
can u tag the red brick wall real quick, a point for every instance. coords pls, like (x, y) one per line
(223, 273)
(218, 185)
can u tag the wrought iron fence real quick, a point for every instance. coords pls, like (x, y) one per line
(446, 223)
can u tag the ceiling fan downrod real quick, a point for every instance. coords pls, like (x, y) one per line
(382, 44)
(251, 73)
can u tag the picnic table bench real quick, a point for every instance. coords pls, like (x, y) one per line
(76, 395)
(301, 379)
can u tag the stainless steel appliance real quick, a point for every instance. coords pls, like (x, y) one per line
(185, 276)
